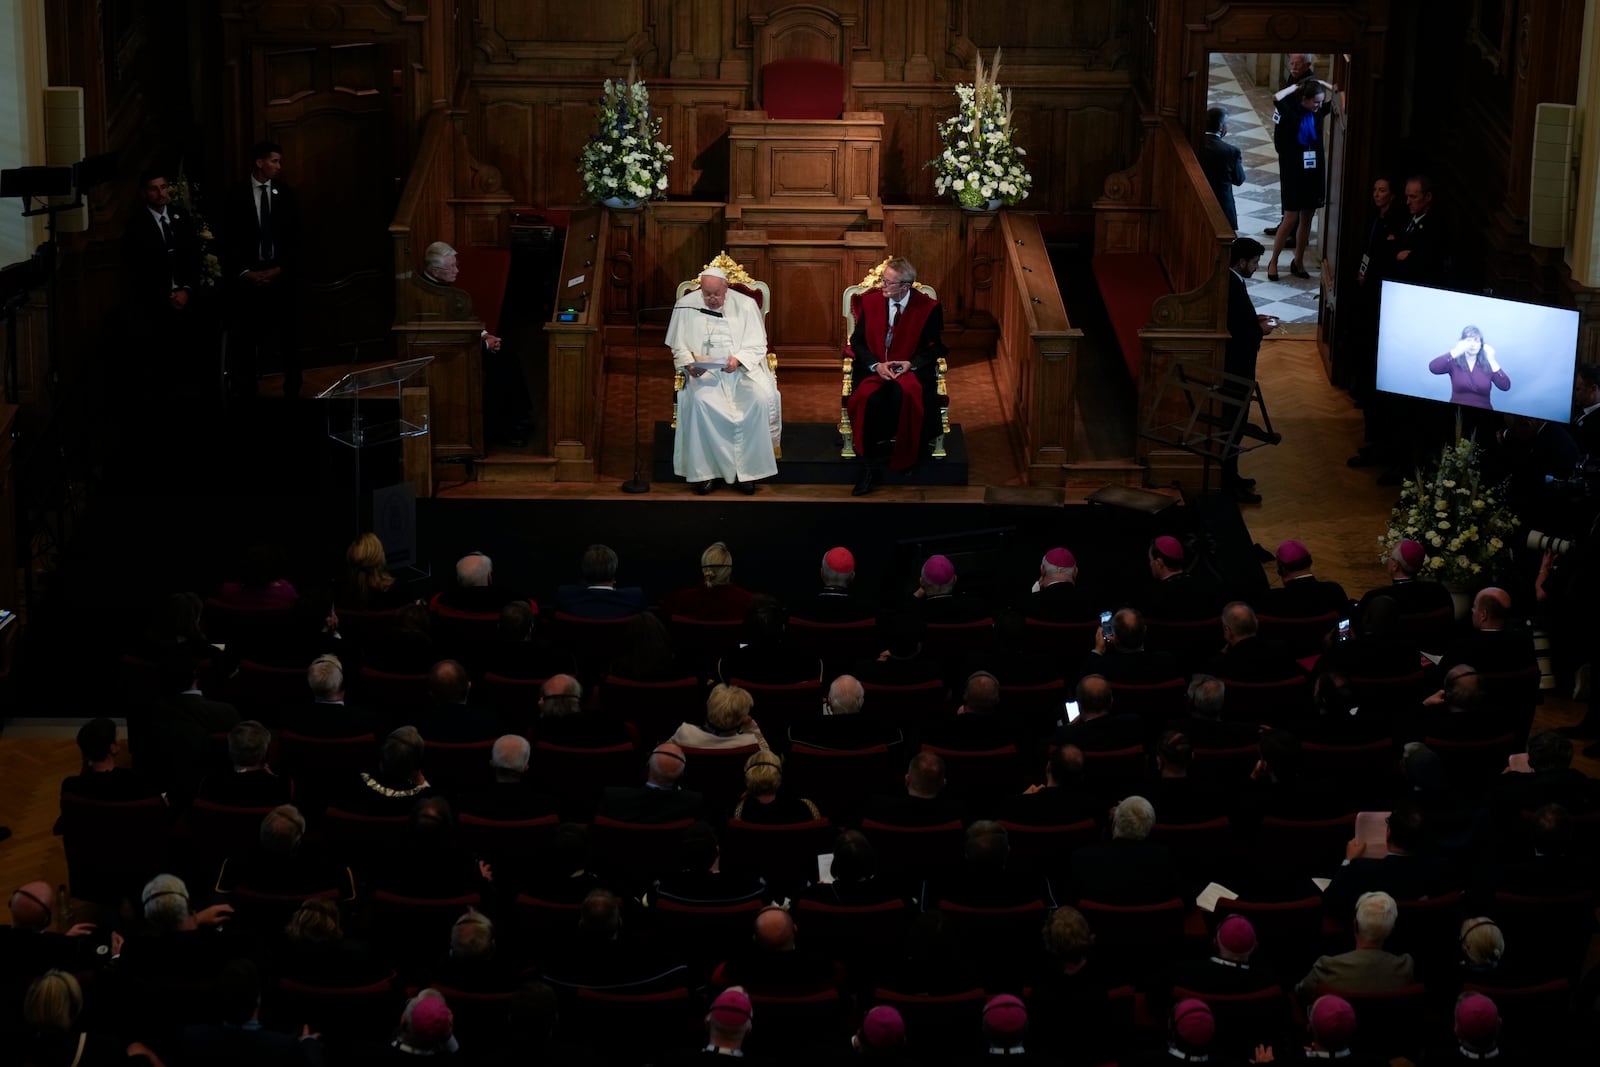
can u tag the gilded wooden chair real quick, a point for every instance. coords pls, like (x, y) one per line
(739, 280)
(852, 296)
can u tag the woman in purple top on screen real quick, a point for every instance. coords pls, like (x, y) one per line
(1472, 369)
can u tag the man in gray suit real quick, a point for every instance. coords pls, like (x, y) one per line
(1222, 162)
(1367, 968)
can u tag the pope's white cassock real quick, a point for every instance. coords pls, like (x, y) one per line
(729, 422)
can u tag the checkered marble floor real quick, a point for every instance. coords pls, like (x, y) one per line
(1249, 110)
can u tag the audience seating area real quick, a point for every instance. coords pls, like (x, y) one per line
(965, 858)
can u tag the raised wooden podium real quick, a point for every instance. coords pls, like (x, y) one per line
(804, 174)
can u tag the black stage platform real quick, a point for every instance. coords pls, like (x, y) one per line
(811, 457)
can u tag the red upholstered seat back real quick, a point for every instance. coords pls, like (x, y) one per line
(802, 89)
(483, 275)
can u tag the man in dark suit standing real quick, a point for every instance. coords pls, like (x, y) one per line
(1245, 331)
(260, 243)
(1222, 162)
(160, 271)
(896, 347)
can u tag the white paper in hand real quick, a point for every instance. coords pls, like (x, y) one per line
(825, 868)
(1372, 830)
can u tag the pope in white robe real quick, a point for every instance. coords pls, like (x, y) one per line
(729, 420)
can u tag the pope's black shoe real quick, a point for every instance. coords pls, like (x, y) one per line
(866, 482)
(702, 488)
(744, 488)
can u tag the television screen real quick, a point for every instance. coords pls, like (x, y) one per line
(1477, 351)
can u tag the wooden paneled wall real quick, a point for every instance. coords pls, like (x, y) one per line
(1164, 207)
(539, 75)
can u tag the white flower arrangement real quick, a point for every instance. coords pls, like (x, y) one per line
(623, 157)
(1462, 524)
(979, 163)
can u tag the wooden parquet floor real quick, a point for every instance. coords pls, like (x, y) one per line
(33, 770)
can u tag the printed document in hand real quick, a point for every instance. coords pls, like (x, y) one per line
(1372, 830)
(701, 364)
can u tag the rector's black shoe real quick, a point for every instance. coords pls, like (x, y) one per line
(702, 488)
(866, 482)
(744, 488)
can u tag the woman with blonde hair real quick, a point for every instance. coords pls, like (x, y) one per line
(314, 949)
(367, 584)
(50, 1011)
(716, 598)
(764, 801)
(728, 723)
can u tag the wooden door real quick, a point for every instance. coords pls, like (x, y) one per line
(1339, 194)
(333, 108)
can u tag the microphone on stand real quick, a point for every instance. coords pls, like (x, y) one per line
(638, 484)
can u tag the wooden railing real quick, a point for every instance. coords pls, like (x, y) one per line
(1162, 206)
(1036, 354)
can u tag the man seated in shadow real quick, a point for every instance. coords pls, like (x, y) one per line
(1069, 1002)
(512, 796)
(234, 1034)
(697, 878)
(1056, 596)
(1461, 710)
(1302, 594)
(1549, 779)
(1131, 869)
(1097, 729)
(1123, 659)
(519, 652)
(660, 799)
(1064, 798)
(903, 662)
(474, 591)
(599, 953)
(1011, 659)
(451, 716)
(1173, 592)
(924, 803)
(1178, 795)
(250, 783)
(397, 784)
(978, 725)
(1228, 971)
(775, 963)
(1246, 656)
(598, 596)
(1412, 595)
(1491, 646)
(283, 865)
(1367, 968)
(1379, 646)
(844, 724)
(1337, 716)
(563, 721)
(1552, 862)
(171, 748)
(936, 600)
(836, 601)
(985, 878)
(29, 947)
(101, 778)
(768, 657)
(1204, 725)
(1406, 869)
(1280, 787)
(475, 962)
(327, 714)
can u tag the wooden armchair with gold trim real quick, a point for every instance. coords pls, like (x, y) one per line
(739, 280)
(874, 280)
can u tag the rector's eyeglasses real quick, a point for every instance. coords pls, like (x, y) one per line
(896, 285)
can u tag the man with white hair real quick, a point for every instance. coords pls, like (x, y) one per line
(507, 408)
(1367, 968)
(475, 590)
(1056, 596)
(729, 413)
(659, 799)
(328, 715)
(1131, 869)
(511, 796)
(844, 725)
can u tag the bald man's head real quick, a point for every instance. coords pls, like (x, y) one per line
(561, 694)
(666, 765)
(32, 905)
(775, 930)
(1490, 609)
(1094, 696)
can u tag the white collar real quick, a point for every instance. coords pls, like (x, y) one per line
(1014, 1050)
(1179, 1054)
(1324, 1054)
(257, 183)
(1230, 963)
(1471, 1055)
(715, 1051)
(162, 214)
(1590, 408)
